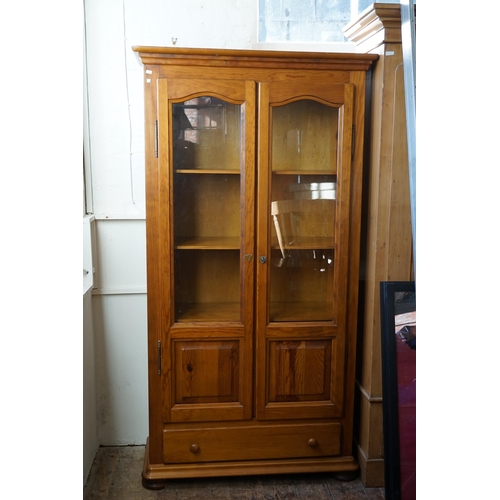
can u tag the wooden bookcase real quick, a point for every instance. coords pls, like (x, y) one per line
(253, 213)
(386, 253)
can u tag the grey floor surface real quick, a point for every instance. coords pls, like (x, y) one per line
(116, 473)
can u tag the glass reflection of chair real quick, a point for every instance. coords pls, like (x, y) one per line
(303, 224)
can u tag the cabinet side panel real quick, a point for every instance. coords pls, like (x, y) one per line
(155, 281)
(359, 81)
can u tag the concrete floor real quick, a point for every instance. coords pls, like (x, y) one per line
(116, 473)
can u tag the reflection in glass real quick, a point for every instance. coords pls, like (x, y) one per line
(304, 137)
(302, 211)
(206, 134)
(206, 159)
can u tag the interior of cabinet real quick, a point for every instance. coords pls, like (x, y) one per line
(207, 134)
(207, 222)
(303, 203)
(197, 298)
(302, 133)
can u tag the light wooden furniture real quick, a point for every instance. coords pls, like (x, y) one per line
(251, 344)
(387, 235)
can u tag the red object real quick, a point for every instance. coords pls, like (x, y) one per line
(407, 402)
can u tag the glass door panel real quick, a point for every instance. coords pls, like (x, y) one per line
(207, 134)
(302, 211)
(207, 225)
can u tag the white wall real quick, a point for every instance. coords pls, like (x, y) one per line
(120, 325)
(114, 147)
(115, 83)
(90, 432)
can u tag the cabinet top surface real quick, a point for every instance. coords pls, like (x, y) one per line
(252, 58)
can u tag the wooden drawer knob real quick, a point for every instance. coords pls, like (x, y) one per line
(312, 443)
(194, 448)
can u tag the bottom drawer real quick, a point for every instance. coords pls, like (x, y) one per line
(251, 442)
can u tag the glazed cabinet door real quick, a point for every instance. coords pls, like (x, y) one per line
(206, 151)
(304, 143)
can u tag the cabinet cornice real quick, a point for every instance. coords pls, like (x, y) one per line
(378, 24)
(254, 59)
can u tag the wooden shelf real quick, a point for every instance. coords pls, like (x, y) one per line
(207, 312)
(312, 243)
(304, 172)
(216, 171)
(208, 243)
(301, 311)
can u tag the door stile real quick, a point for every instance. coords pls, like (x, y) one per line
(263, 235)
(344, 158)
(247, 258)
(164, 228)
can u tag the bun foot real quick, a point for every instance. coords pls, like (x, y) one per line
(349, 475)
(154, 484)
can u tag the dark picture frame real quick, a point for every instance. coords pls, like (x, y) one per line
(398, 342)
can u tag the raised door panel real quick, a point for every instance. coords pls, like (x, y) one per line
(209, 383)
(206, 154)
(303, 376)
(206, 371)
(299, 370)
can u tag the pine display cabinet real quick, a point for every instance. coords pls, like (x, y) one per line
(253, 213)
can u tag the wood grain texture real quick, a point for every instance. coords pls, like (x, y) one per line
(253, 59)
(206, 371)
(257, 360)
(157, 313)
(299, 370)
(387, 241)
(252, 443)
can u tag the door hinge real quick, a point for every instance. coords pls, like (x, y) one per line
(156, 138)
(353, 142)
(159, 357)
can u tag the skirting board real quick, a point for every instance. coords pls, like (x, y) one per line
(371, 470)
